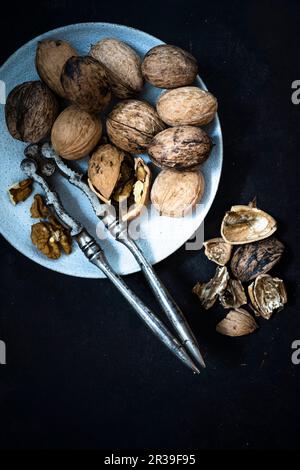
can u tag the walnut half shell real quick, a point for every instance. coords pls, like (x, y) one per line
(217, 250)
(267, 294)
(237, 322)
(244, 224)
(209, 292)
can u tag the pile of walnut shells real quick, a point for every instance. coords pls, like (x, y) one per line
(249, 232)
(169, 132)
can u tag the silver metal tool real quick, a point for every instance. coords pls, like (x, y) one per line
(95, 255)
(120, 233)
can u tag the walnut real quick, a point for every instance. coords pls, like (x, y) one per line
(132, 124)
(267, 295)
(175, 193)
(30, 111)
(20, 191)
(50, 237)
(209, 292)
(85, 83)
(180, 148)
(166, 66)
(253, 259)
(75, 133)
(123, 66)
(187, 106)
(245, 224)
(218, 251)
(237, 322)
(51, 56)
(38, 209)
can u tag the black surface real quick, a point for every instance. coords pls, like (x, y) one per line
(82, 371)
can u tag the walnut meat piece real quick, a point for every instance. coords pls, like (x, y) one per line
(50, 237)
(39, 210)
(19, 192)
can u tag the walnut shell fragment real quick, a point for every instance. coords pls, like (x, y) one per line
(187, 106)
(244, 224)
(39, 210)
(267, 294)
(209, 292)
(167, 66)
(50, 237)
(175, 193)
(180, 148)
(218, 251)
(132, 124)
(20, 191)
(234, 295)
(122, 64)
(237, 322)
(253, 259)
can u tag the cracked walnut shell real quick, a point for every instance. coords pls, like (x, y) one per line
(187, 106)
(267, 294)
(218, 251)
(237, 322)
(175, 193)
(208, 292)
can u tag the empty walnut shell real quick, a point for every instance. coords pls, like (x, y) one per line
(75, 133)
(85, 83)
(140, 192)
(175, 193)
(237, 322)
(218, 251)
(267, 294)
(51, 56)
(234, 295)
(257, 258)
(244, 224)
(132, 124)
(187, 106)
(208, 292)
(30, 111)
(166, 66)
(180, 148)
(123, 66)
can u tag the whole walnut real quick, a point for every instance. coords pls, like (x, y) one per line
(167, 66)
(123, 66)
(75, 133)
(85, 83)
(51, 56)
(180, 147)
(175, 193)
(187, 106)
(30, 111)
(132, 124)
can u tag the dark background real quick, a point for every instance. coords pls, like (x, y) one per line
(83, 371)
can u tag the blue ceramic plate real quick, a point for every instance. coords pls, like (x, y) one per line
(159, 236)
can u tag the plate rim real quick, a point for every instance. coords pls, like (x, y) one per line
(71, 26)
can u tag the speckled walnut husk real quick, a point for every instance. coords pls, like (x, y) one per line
(187, 106)
(85, 83)
(166, 66)
(123, 66)
(30, 111)
(180, 148)
(51, 56)
(132, 124)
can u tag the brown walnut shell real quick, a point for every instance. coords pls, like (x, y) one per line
(217, 250)
(180, 148)
(123, 66)
(85, 83)
(237, 322)
(267, 294)
(187, 106)
(253, 259)
(175, 193)
(51, 56)
(166, 66)
(132, 124)
(30, 111)
(208, 292)
(75, 133)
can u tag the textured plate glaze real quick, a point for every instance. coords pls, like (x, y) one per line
(160, 236)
